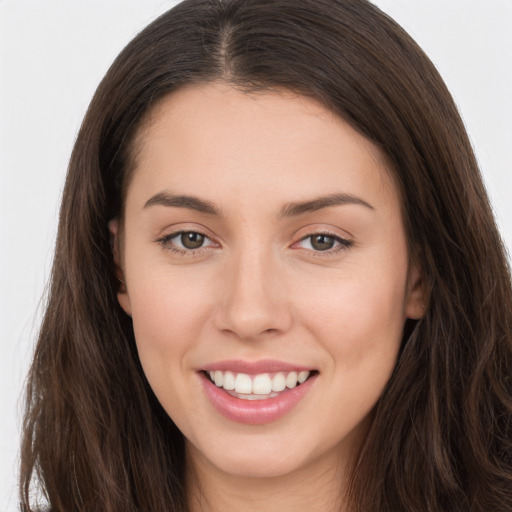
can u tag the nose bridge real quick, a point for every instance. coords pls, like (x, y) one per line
(254, 300)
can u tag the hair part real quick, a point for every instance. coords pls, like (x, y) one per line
(95, 436)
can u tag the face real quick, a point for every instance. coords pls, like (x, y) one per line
(267, 276)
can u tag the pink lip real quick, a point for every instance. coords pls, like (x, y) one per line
(255, 412)
(254, 367)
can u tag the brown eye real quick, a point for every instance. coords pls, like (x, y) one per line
(322, 242)
(186, 242)
(192, 240)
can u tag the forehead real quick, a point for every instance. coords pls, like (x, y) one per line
(214, 139)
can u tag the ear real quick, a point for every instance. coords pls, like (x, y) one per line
(416, 295)
(115, 241)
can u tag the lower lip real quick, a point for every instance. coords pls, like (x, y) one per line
(255, 412)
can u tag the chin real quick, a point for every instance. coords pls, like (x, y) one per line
(259, 465)
(256, 455)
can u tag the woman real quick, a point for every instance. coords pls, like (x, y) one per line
(278, 282)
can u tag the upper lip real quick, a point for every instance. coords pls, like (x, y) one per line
(255, 367)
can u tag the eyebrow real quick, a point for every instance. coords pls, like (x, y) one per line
(289, 210)
(313, 205)
(183, 201)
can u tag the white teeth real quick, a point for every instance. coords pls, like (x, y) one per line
(278, 382)
(243, 384)
(258, 385)
(229, 381)
(291, 380)
(262, 384)
(302, 377)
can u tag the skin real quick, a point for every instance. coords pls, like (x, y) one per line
(259, 289)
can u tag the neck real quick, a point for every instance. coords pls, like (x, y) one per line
(318, 486)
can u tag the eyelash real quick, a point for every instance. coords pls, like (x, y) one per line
(166, 243)
(343, 244)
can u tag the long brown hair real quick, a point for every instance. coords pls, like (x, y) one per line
(96, 438)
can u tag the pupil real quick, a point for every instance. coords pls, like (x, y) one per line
(322, 242)
(192, 240)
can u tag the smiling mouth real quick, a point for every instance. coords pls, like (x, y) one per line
(260, 386)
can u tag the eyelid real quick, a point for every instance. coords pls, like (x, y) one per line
(322, 229)
(344, 241)
(178, 234)
(164, 240)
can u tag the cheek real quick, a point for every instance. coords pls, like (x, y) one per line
(169, 311)
(358, 319)
(352, 305)
(360, 326)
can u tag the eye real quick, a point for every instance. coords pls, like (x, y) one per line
(190, 240)
(186, 241)
(323, 242)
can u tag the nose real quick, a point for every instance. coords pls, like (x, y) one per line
(254, 300)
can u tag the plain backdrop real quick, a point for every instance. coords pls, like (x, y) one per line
(53, 54)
